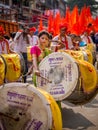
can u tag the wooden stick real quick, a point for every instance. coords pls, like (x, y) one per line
(45, 78)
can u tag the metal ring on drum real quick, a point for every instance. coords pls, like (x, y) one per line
(24, 107)
(61, 69)
(15, 66)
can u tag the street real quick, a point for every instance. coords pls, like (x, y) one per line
(80, 117)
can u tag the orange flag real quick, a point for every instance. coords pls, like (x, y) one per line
(89, 15)
(74, 15)
(83, 19)
(57, 20)
(50, 22)
(40, 25)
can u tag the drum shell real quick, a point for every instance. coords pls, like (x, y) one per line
(45, 111)
(2, 70)
(29, 56)
(15, 66)
(80, 95)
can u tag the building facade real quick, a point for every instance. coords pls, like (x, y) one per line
(33, 10)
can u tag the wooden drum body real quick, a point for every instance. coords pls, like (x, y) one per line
(2, 70)
(24, 107)
(15, 66)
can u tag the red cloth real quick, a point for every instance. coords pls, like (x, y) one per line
(33, 29)
(2, 32)
(63, 25)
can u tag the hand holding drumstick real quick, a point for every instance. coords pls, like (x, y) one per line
(39, 75)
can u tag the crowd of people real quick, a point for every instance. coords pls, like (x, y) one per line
(43, 43)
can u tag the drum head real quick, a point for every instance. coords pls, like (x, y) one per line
(62, 72)
(23, 107)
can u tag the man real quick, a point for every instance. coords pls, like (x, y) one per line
(4, 45)
(62, 40)
(22, 41)
(86, 37)
(34, 38)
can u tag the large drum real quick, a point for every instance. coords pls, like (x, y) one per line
(92, 48)
(29, 56)
(81, 55)
(24, 107)
(15, 66)
(67, 76)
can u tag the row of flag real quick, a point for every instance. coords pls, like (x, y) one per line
(77, 21)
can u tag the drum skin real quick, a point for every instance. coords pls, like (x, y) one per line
(15, 66)
(24, 107)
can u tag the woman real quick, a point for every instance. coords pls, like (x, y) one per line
(38, 52)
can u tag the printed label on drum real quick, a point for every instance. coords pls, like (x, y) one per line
(62, 72)
(19, 100)
(35, 123)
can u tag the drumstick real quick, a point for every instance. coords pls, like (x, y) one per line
(45, 78)
(39, 76)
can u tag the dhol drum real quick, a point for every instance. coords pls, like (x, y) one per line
(2, 70)
(15, 66)
(67, 77)
(25, 107)
(29, 56)
(92, 48)
(81, 55)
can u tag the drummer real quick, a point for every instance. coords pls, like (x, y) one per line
(4, 45)
(62, 40)
(38, 52)
(86, 37)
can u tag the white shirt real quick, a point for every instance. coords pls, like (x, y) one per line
(21, 43)
(85, 39)
(56, 38)
(34, 40)
(3, 47)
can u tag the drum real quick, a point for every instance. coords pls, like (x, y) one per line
(80, 55)
(66, 76)
(24, 107)
(86, 88)
(29, 56)
(15, 66)
(2, 70)
(92, 48)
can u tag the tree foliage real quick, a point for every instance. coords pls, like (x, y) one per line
(93, 4)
